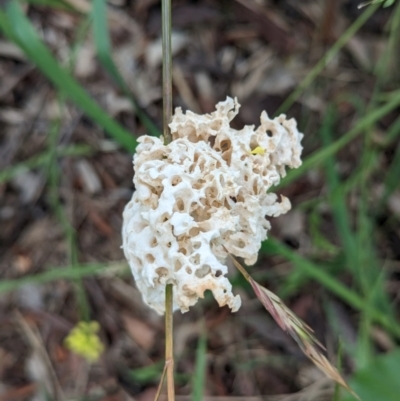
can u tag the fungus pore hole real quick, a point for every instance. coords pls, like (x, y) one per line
(203, 271)
(162, 272)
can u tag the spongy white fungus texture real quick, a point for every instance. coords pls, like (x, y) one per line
(204, 194)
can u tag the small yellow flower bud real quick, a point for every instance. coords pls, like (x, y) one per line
(84, 341)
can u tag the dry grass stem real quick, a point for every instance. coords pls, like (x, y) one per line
(301, 332)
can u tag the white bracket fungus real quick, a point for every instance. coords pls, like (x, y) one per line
(202, 193)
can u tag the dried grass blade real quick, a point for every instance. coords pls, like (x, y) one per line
(300, 331)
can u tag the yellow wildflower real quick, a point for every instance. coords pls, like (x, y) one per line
(83, 340)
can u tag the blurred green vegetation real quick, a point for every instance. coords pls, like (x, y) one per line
(376, 377)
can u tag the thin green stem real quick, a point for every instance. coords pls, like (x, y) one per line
(59, 273)
(17, 27)
(158, 393)
(169, 341)
(319, 156)
(42, 159)
(328, 57)
(101, 37)
(69, 232)
(167, 117)
(199, 378)
(332, 284)
(167, 69)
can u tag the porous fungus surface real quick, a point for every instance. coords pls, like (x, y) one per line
(203, 194)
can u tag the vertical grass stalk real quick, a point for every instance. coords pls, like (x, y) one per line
(167, 69)
(169, 342)
(329, 55)
(167, 116)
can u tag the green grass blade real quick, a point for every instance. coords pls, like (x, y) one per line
(54, 4)
(42, 159)
(103, 47)
(18, 28)
(331, 284)
(393, 132)
(57, 273)
(327, 58)
(392, 179)
(319, 156)
(363, 172)
(337, 199)
(80, 34)
(379, 381)
(321, 243)
(199, 379)
(336, 394)
(54, 175)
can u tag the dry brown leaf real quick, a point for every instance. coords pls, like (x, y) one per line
(139, 331)
(90, 180)
(20, 393)
(270, 24)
